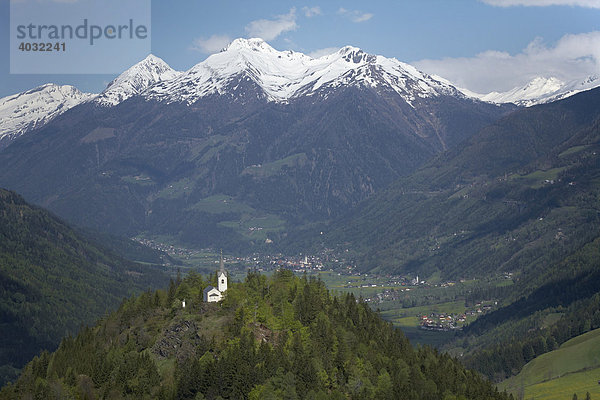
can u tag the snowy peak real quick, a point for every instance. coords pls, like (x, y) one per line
(355, 55)
(541, 90)
(283, 75)
(25, 111)
(529, 93)
(540, 86)
(254, 44)
(136, 79)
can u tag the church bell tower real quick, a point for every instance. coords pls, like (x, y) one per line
(222, 276)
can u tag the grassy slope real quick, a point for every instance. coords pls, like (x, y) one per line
(563, 388)
(574, 367)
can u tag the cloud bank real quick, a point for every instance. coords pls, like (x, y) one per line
(572, 57)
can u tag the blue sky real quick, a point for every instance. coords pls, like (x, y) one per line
(482, 45)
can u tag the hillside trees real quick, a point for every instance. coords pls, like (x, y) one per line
(277, 337)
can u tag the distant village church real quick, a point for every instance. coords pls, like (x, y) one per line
(214, 294)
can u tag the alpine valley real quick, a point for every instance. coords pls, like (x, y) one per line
(361, 166)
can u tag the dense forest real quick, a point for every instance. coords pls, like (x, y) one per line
(53, 279)
(270, 338)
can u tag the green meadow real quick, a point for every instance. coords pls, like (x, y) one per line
(573, 368)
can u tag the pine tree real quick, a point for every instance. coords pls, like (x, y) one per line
(171, 293)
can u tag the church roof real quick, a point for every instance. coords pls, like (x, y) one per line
(208, 289)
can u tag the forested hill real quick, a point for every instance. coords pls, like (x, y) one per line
(53, 280)
(270, 338)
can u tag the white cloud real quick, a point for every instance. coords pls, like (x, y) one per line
(543, 3)
(211, 44)
(355, 15)
(269, 29)
(572, 57)
(323, 52)
(312, 11)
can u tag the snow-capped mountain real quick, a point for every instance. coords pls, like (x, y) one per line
(22, 112)
(283, 75)
(278, 75)
(136, 79)
(251, 67)
(283, 133)
(541, 90)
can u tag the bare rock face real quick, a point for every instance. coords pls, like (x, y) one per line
(179, 340)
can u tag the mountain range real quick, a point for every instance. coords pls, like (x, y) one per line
(243, 147)
(281, 74)
(541, 90)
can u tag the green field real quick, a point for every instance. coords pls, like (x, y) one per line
(275, 167)
(573, 150)
(220, 203)
(177, 189)
(397, 315)
(338, 282)
(563, 388)
(537, 178)
(256, 228)
(393, 311)
(573, 368)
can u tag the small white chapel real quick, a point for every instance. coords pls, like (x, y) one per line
(215, 294)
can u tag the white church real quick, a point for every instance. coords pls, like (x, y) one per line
(215, 294)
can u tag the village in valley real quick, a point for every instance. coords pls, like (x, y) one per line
(411, 302)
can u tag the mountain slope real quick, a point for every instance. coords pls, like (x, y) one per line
(510, 188)
(565, 304)
(574, 356)
(277, 337)
(52, 281)
(232, 164)
(26, 111)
